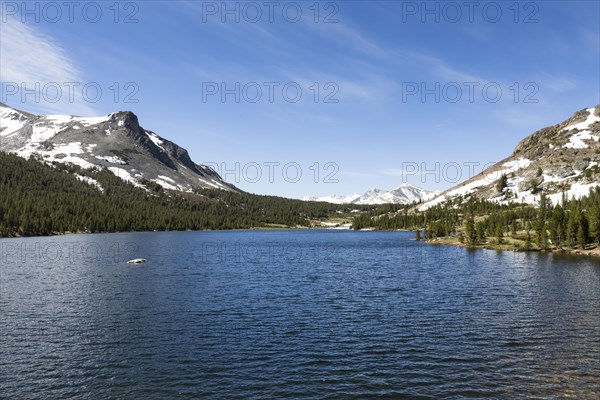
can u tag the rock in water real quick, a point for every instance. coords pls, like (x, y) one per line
(137, 261)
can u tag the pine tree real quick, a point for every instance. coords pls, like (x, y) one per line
(534, 186)
(471, 235)
(499, 234)
(594, 220)
(502, 183)
(539, 172)
(556, 226)
(480, 228)
(572, 226)
(527, 240)
(540, 226)
(513, 227)
(583, 237)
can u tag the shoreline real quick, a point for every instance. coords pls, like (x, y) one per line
(261, 228)
(592, 251)
(450, 241)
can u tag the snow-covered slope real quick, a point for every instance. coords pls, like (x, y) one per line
(404, 194)
(563, 158)
(116, 142)
(336, 199)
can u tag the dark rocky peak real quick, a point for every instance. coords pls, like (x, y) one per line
(126, 119)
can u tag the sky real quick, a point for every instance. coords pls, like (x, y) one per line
(312, 98)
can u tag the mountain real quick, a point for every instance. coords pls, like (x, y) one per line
(563, 158)
(334, 198)
(404, 194)
(116, 142)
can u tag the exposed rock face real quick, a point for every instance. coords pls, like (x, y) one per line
(116, 142)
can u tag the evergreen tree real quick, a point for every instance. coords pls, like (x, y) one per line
(594, 221)
(534, 186)
(583, 231)
(502, 183)
(540, 227)
(557, 226)
(527, 240)
(572, 225)
(499, 234)
(470, 233)
(539, 172)
(481, 235)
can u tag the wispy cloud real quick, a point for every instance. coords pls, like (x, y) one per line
(30, 58)
(400, 172)
(354, 174)
(438, 68)
(557, 84)
(352, 37)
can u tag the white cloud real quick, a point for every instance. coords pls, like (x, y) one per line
(29, 57)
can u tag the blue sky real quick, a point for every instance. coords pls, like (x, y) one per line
(392, 92)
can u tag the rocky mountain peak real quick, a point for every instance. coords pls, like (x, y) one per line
(117, 142)
(126, 119)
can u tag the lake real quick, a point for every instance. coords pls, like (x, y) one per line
(293, 314)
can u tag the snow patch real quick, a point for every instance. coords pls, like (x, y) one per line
(576, 191)
(211, 184)
(91, 120)
(124, 175)
(516, 165)
(576, 141)
(489, 179)
(43, 132)
(166, 178)
(90, 181)
(156, 140)
(59, 119)
(165, 184)
(63, 153)
(170, 184)
(10, 121)
(111, 159)
(556, 179)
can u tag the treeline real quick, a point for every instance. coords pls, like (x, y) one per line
(39, 199)
(572, 223)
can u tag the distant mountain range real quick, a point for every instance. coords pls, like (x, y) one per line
(116, 141)
(559, 160)
(404, 194)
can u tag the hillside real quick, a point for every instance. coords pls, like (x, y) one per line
(116, 142)
(44, 199)
(563, 158)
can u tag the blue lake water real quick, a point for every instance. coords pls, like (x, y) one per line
(293, 314)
